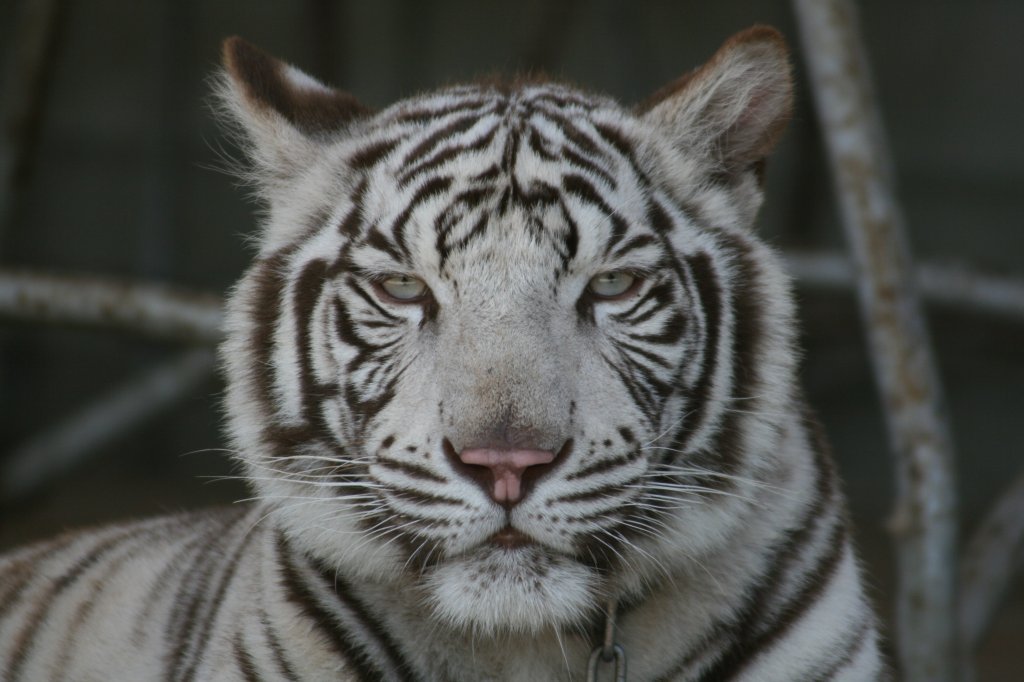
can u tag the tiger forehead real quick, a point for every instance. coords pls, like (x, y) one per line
(541, 166)
(553, 124)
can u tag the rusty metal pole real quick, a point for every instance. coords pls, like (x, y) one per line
(924, 520)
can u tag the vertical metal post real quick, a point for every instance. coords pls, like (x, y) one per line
(924, 521)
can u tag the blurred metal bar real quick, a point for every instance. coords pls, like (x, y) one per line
(148, 309)
(924, 521)
(28, 60)
(64, 446)
(994, 554)
(950, 285)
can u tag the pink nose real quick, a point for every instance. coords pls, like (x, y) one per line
(507, 467)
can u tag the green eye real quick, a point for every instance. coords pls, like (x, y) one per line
(611, 284)
(404, 288)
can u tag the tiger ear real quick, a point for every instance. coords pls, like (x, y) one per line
(281, 110)
(732, 110)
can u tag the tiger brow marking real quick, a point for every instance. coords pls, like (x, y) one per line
(537, 146)
(447, 154)
(574, 134)
(427, 145)
(586, 164)
(561, 100)
(581, 188)
(430, 188)
(446, 249)
(429, 115)
(632, 244)
(352, 223)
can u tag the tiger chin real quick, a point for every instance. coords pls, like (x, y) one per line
(514, 383)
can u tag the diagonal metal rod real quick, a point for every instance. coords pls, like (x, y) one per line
(994, 554)
(142, 307)
(924, 520)
(59, 449)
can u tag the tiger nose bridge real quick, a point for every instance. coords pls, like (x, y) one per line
(509, 414)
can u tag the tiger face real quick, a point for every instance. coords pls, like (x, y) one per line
(493, 346)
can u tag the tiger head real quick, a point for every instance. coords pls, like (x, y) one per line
(510, 345)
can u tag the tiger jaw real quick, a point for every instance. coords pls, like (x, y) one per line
(523, 590)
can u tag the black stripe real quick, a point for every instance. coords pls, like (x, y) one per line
(844, 657)
(410, 470)
(26, 637)
(372, 153)
(425, 499)
(751, 618)
(446, 154)
(309, 288)
(459, 125)
(582, 188)
(344, 642)
(276, 650)
(373, 627)
(709, 293)
(432, 115)
(264, 311)
(586, 164)
(244, 660)
(195, 638)
(86, 606)
(632, 244)
(603, 466)
(23, 572)
(428, 189)
(305, 600)
(747, 646)
(352, 224)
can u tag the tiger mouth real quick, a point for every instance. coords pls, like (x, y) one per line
(511, 538)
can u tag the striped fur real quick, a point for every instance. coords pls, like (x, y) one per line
(689, 485)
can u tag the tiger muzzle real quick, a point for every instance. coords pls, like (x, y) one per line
(506, 474)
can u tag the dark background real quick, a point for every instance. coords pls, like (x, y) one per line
(120, 181)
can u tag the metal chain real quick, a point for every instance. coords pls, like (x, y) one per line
(608, 651)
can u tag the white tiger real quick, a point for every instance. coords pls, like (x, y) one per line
(514, 383)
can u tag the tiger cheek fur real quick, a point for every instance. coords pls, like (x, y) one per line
(509, 354)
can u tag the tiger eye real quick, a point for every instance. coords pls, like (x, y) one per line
(611, 284)
(404, 288)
